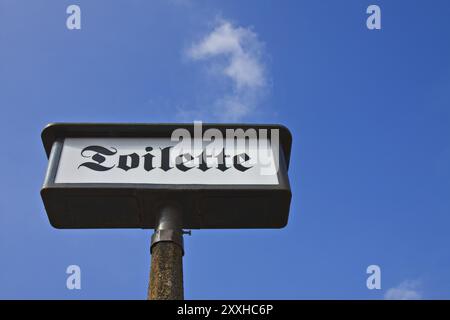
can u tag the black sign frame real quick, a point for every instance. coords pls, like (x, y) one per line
(125, 205)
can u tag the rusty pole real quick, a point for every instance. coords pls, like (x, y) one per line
(166, 272)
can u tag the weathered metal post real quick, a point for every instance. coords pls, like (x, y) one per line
(166, 272)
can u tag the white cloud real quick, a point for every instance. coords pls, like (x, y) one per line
(407, 290)
(237, 54)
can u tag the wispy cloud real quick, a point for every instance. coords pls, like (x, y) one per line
(234, 53)
(407, 290)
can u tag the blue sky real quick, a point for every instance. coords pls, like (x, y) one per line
(369, 112)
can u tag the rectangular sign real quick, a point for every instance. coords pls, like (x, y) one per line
(163, 161)
(118, 175)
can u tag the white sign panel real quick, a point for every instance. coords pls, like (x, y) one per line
(162, 161)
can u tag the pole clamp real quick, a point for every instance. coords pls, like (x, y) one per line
(167, 235)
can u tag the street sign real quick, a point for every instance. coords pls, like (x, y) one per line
(116, 175)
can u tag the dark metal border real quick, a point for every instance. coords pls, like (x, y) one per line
(53, 131)
(57, 195)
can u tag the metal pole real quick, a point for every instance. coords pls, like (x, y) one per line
(166, 272)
